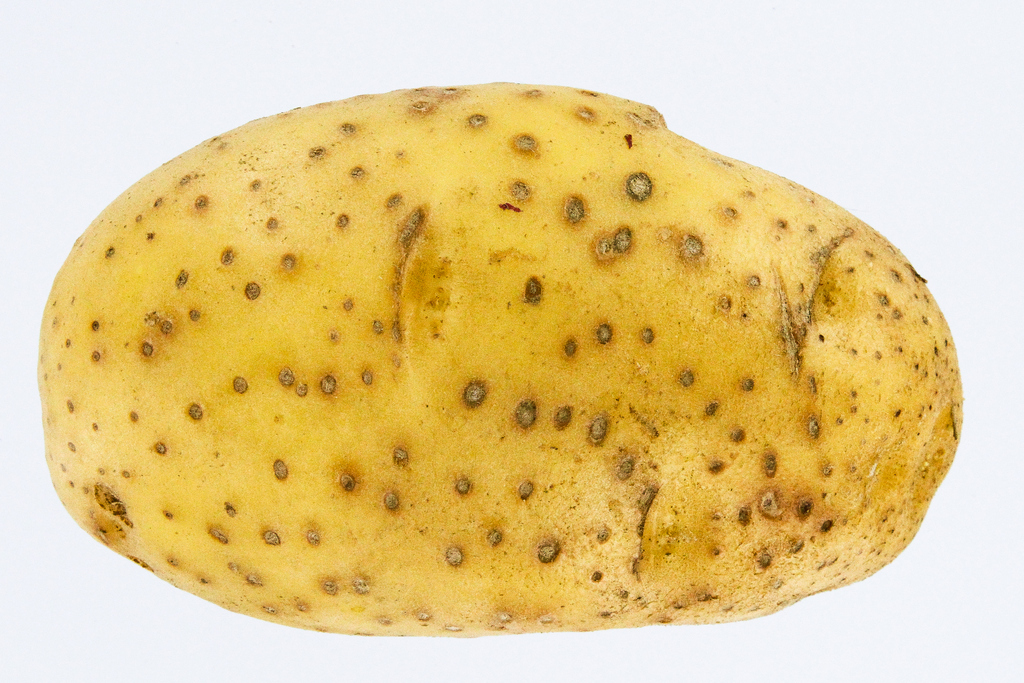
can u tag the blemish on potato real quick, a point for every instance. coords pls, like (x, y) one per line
(453, 556)
(597, 431)
(639, 186)
(570, 348)
(562, 417)
(280, 470)
(574, 210)
(603, 333)
(240, 385)
(474, 393)
(548, 551)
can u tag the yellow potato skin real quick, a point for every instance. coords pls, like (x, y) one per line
(258, 367)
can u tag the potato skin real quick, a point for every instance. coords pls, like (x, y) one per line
(491, 359)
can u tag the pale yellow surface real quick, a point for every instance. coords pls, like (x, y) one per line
(676, 516)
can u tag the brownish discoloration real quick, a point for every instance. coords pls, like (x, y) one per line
(410, 230)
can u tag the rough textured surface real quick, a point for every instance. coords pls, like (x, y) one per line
(491, 359)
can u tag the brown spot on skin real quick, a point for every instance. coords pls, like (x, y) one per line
(574, 210)
(625, 468)
(166, 327)
(272, 223)
(585, 113)
(313, 537)
(474, 393)
(747, 384)
(548, 551)
(639, 186)
(347, 129)
(596, 577)
(147, 349)
(453, 556)
(686, 378)
(202, 202)
(647, 335)
(240, 385)
(271, 538)
(133, 416)
(357, 172)
(400, 457)
(286, 377)
(525, 490)
(342, 221)
(317, 153)
(494, 537)
(597, 431)
(347, 482)
(252, 291)
(193, 315)
(477, 121)
(563, 416)
(813, 428)
(711, 408)
(391, 500)
(301, 390)
(230, 509)
(361, 586)
(692, 247)
(288, 261)
(533, 291)
(328, 384)
(769, 462)
(570, 348)
(753, 282)
(716, 466)
(520, 190)
(603, 333)
(622, 241)
(769, 505)
(804, 507)
(71, 407)
(95, 325)
(764, 559)
(227, 257)
(195, 411)
(367, 377)
(463, 486)
(280, 470)
(219, 535)
(525, 143)
(826, 526)
(737, 435)
(393, 201)
(743, 517)
(255, 185)
(329, 587)
(526, 413)
(96, 356)
(603, 534)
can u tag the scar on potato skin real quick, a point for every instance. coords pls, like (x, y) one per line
(410, 230)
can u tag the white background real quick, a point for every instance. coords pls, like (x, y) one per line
(909, 114)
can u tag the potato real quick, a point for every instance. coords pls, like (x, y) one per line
(491, 359)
